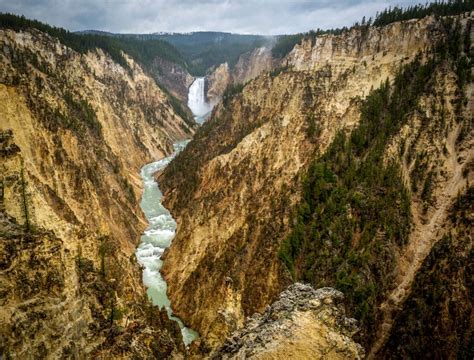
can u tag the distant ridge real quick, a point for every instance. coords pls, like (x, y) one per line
(202, 50)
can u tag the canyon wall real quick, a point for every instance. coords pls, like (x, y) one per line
(173, 77)
(235, 190)
(249, 66)
(75, 131)
(217, 82)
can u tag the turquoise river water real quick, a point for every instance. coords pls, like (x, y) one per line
(156, 238)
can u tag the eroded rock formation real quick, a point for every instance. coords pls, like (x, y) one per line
(249, 66)
(302, 324)
(244, 169)
(75, 130)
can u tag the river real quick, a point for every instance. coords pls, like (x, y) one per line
(161, 225)
(156, 238)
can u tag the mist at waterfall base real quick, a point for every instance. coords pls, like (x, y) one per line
(156, 238)
(197, 100)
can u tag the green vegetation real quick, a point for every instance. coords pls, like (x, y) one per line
(79, 43)
(191, 159)
(81, 114)
(115, 312)
(78, 116)
(313, 129)
(438, 8)
(230, 91)
(146, 51)
(2, 192)
(202, 50)
(355, 208)
(439, 307)
(198, 51)
(278, 70)
(106, 249)
(206, 50)
(285, 43)
(212, 55)
(143, 51)
(179, 109)
(104, 283)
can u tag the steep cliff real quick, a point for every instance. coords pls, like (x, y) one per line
(259, 171)
(172, 76)
(75, 130)
(217, 82)
(250, 65)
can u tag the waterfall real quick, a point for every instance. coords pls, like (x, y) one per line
(197, 100)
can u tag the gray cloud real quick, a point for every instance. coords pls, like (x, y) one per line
(241, 16)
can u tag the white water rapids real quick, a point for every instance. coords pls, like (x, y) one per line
(162, 227)
(197, 100)
(156, 238)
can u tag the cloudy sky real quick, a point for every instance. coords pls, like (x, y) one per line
(240, 16)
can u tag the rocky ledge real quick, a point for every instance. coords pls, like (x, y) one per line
(303, 323)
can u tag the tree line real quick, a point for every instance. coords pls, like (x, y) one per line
(285, 43)
(143, 51)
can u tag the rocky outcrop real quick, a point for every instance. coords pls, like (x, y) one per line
(217, 81)
(249, 66)
(173, 77)
(302, 324)
(75, 131)
(244, 168)
(252, 64)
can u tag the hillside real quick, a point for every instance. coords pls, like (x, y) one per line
(76, 128)
(202, 50)
(159, 59)
(340, 169)
(205, 50)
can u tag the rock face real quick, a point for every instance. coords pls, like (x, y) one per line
(217, 82)
(243, 173)
(252, 64)
(173, 77)
(249, 66)
(74, 133)
(302, 324)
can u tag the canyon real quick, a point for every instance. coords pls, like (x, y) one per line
(315, 204)
(75, 131)
(246, 166)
